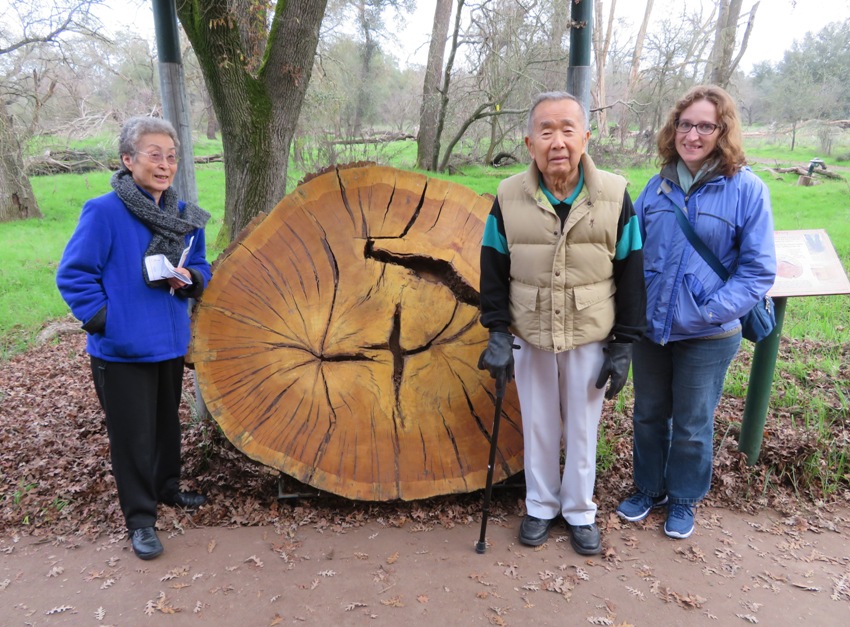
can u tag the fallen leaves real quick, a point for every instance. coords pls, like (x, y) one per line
(60, 610)
(841, 587)
(350, 607)
(256, 561)
(161, 604)
(56, 571)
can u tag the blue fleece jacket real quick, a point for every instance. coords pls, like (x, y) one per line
(100, 277)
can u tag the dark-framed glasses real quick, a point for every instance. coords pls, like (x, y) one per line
(157, 157)
(703, 128)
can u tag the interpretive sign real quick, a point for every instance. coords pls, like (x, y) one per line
(807, 265)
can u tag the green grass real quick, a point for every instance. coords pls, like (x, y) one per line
(809, 391)
(30, 249)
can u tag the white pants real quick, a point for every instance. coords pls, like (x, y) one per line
(559, 401)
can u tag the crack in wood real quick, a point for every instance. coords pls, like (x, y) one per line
(427, 268)
(394, 346)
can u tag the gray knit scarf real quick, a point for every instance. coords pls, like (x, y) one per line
(165, 220)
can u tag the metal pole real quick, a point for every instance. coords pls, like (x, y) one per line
(578, 72)
(175, 108)
(758, 390)
(501, 384)
(175, 105)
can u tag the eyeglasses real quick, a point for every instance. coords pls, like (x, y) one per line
(703, 128)
(158, 157)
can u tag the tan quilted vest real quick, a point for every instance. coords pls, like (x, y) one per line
(562, 285)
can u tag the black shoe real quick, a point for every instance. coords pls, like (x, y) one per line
(186, 500)
(534, 531)
(145, 543)
(585, 539)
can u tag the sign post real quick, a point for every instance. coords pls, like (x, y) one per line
(807, 265)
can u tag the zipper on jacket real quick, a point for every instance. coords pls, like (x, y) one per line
(680, 276)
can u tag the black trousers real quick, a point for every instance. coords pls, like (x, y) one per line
(140, 401)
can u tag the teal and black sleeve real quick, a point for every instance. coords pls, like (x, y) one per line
(495, 273)
(630, 297)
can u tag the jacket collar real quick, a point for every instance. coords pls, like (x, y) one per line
(671, 173)
(532, 184)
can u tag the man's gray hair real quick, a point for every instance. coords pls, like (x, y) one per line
(554, 95)
(135, 127)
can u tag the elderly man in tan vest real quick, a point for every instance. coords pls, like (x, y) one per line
(562, 282)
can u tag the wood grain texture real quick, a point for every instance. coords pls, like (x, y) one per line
(339, 338)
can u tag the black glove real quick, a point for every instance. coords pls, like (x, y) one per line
(618, 357)
(498, 357)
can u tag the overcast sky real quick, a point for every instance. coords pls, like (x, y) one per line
(778, 22)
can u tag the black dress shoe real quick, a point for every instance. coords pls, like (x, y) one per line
(146, 544)
(585, 539)
(534, 531)
(187, 500)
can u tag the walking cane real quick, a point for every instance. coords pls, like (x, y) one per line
(501, 384)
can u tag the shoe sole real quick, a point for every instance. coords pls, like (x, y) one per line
(537, 542)
(581, 550)
(644, 514)
(147, 556)
(677, 535)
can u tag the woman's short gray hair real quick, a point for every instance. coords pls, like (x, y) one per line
(135, 127)
(554, 95)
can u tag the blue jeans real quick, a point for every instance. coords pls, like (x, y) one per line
(677, 389)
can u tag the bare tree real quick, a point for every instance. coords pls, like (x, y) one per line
(500, 52)
(675, 59)
(26, 24)
(723, 61)
(426, 155)
(601, 45)
(631, 86)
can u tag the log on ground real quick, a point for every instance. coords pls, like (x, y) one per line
(338, 340)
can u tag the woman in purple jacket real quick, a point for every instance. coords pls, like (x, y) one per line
(693, 328)
(137, 321)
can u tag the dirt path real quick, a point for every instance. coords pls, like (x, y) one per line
(735, 569)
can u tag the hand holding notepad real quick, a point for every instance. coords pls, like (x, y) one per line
(159, 267)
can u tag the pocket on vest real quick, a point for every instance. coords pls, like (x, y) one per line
(524, 296)
(589, 295)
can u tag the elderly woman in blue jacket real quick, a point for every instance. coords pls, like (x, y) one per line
(137, 320)
(693, 327)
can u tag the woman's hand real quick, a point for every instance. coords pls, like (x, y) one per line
(176, 284)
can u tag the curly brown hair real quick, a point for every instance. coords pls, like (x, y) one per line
(729, 150)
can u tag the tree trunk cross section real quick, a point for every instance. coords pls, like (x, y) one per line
(339, 338)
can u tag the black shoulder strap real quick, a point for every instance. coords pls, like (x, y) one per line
(699, 245)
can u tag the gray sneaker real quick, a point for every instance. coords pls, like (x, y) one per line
(585, 539)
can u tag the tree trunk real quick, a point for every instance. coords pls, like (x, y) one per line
(363, 104)
(444, 91)
(560, 24)
(339, 337)
(600, 47)
(631, 87)
(209, 111)
(720, 68)
(257, 112)
(426, 155)
(17, 201)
